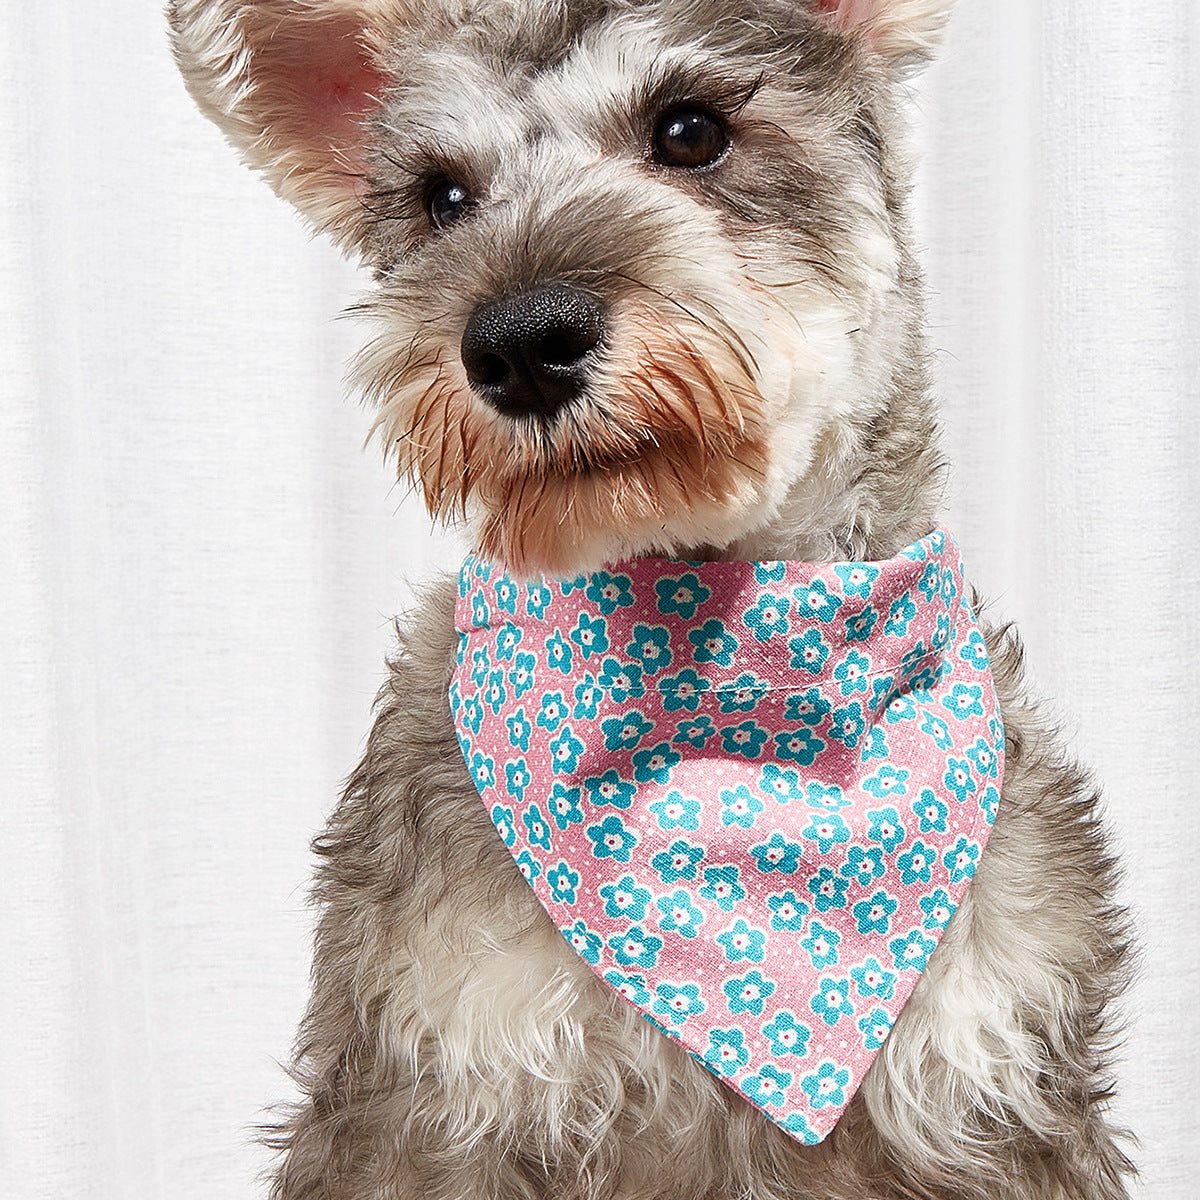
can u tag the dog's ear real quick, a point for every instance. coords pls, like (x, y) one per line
(904, 33)
(292, 84)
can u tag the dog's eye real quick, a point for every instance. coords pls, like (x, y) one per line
(689, 137)
(447, 202)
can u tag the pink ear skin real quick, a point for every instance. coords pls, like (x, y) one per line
(901, 33)
(847, 14)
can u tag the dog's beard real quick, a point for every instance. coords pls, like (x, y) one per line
(671, 432)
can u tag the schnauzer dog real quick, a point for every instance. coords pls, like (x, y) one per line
(644, 286)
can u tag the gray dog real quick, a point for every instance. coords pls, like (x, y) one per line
(644, 285)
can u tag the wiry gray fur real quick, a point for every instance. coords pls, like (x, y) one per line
(455, 1048)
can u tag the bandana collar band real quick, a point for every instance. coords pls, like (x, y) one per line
(750, 795)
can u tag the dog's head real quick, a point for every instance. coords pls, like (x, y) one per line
(641, 265)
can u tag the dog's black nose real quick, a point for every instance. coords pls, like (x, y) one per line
(532, 353)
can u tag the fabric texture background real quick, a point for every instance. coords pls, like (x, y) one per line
(199, 565)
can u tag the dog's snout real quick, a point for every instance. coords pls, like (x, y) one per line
(532, 353)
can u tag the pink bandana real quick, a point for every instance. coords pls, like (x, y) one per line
(751, 795)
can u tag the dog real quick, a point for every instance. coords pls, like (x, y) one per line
(644, 286)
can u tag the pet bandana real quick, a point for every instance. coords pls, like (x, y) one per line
(750, 795)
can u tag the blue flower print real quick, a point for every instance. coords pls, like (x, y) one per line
(528, 865)
(809, 651)
(723, 886)
(916, 866)
(887, 781)
(826, 1086)
(832, 1002)
(781, 782)
(521, 675)
(903, 610)
(787, 911)
(746, 739)
(559, 653)
(631, 987)
(481, 569)
(483, 769)
(860, 626)
(786, 1035)
(958, 778)
(651, 647)
(809, 708)
(565, 751)
(567, 586)
(590, 635)
(800, 1129)
(683, 691)
(655, 764)
(990, 803)
(473, 714)
(886, 828)
(518, 777)
(610, 592)
(495, 694)
(748, 993)
(827, 797)
(768, 617)
(455, 695)
(698, 732)
(507, 643)
(742, 943)
(587, 699)
(539, 830)
(848, 724)
(519, 729)
(974, 651)
(625, 899)
(480, 615)
(678, 914)
(778, 855)
(900, 708)
(742, 695)
(827, 830)
(609, 788)
(635, 947)
(818, 601)
(862, 866)
(913, 658)
(961, 860)
(938, 909)
(611, 839)
(713, 643)
(872, 980)
(677, 1002)
(625, 733)
(769, 572)
(481, 666)
(676, 811)
(875, 915)
(586, 943)
(931, 581)
(798, 745)
(552, 712)
(768, 1088)
(537, 600)
(821, 945)
(857, 578)
(875, 745)
(949, 587)
(852, 673)
(937, 729)
(828, 889)
(984, 758)
(881, 692)
(874, 1027)
(726, 1051)
(739, 806)
(621, 680)
(502, 818)
(683, 595)
(564, 805)
(965, 700)
(912, 952)
(942, 634)
(678, 861)
(563, 882)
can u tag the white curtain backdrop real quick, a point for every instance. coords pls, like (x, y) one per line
(199, 564)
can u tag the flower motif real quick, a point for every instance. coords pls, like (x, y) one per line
(559, 654)
(676, 811)
(786, 1036)
(900, 708)
(768, 1088)
(698, 732)
(875, 745)
(958, 778)
(913, 658)
(473, 714)
(635, 947)
(902, 612)
(481, 666)
(625, 899)
(495, 694)
(677, 1002)
(651, 647)
(713, 643)
(655, 764)
(769, 572)
(622, 680)
(949, 587)
(539, 830)
(826, 1086)
(916, 865)
(798, 745)
(768, 617)
(742, 943)
(518, 777)
(521, 675)
(848, 724)
(937, 729)
(587, 698)
(518, 728)
(483, 769)
(563, 882)
(723, 885)
(818, 600)
(678, 861)
(832, 1002)
(856, 578)
(553, 710)
(886, 828)
(537, 600)
(912, 951)
(874, 1027)
(781, 782)
(682, 594)
(631, 987)
(567, 586)
(809, 708)
(564, 805)
(502, 818)
(506, 644)
(745, 739)
(787, 911)
(480, 616)
(726, 1051)
(827, 830)
(961, 860)
(746, 994)
(743, 694)
(938, 909)
(565, 751)
(875, 915)
(965, 700)
(625, 733)
(872, 980)
(828, 797)
(683, 691)
(828, 889)
(679, 914)
(860, 626)
(862, 866)
(528, 866)
(990, 803)
(984, 758)
(739, 806)
(611, 839)
(852, 673)
(777, 855)
(974, 651)
(887, 781)
(930, 812)
(590, 635)
(800, 1129)
(586, 943)
(609, 788)
(610, 592)
(809, 651)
